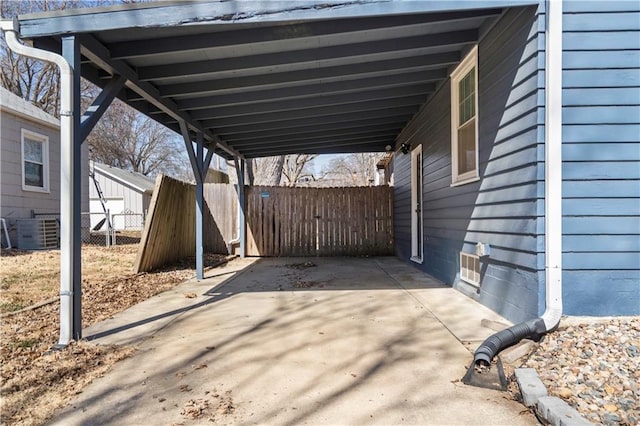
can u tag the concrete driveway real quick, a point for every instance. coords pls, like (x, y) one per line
(297, 341)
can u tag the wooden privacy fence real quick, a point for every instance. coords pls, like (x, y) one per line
(169, 233)
(284, 221)
(281, 221)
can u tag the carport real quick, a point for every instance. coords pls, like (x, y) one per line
(248, 79)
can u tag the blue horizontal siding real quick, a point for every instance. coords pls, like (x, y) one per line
(603, 41)
(611, 96)
(607, 6)
(607, 133)
(600, 225)
(599, 59)
(584, 78)
(603, 188)
(622, 114)
(601, 136)
(502, 208)
(606, 169)
(601, 293)
(583, 21)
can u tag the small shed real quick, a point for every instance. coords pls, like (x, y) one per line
(126, 194)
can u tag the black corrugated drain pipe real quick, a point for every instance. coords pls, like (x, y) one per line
(480, 372)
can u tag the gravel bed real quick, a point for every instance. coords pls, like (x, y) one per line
(594, 365)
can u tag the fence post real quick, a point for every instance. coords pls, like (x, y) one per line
(107, 233)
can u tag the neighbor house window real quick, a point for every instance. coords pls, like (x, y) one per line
(35, 161)
(464, 120)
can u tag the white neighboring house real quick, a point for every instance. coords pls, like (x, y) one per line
(127, 196)
(30, 173)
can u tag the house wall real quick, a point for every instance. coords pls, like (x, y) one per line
(601, 154)
(16, 203)
(503, 207)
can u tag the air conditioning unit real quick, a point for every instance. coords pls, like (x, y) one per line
(38, 234)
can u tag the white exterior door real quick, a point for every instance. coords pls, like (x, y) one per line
(416, 205)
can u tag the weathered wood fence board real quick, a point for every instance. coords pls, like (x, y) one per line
(169, 233)
(281, 221)
(284, 221)
(221, 216)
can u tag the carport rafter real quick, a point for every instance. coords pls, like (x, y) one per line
(326, 149)
(389, 113)
(169, 45)
(381, 141)
(395, 47)
(379, 123)
(288, 78)
(320, 101)
(321, 111)
(311, 90)
(322, 134)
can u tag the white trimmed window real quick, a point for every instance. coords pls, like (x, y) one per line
(35, 161)
(464, 120)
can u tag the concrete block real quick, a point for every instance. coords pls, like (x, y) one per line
(558, 413)
(531, 387)
(515, 352)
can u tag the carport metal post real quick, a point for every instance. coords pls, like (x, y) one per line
(240, 169)
(70, 243)
(200, 166)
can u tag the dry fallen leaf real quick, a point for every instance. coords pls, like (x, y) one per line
(108, 287)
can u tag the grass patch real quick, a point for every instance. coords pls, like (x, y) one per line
(25, 343)
(10, 307)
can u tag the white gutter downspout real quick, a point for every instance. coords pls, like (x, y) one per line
(553, 165)
(236, 240)
(66, 164)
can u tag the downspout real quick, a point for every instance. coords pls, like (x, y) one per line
(66, 155)
(550, 319)
(236, 240)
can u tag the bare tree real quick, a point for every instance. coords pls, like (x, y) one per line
(356, 169)
(33, 80)
(297, 168)
(267, 171)
(124, 138)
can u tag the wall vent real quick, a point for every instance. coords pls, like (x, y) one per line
(470, 268)
(38, 234)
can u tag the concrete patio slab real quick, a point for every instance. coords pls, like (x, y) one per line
(295, 341)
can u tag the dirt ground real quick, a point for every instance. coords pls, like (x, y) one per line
(36, 381)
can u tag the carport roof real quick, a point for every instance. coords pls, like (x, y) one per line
(264, 78)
